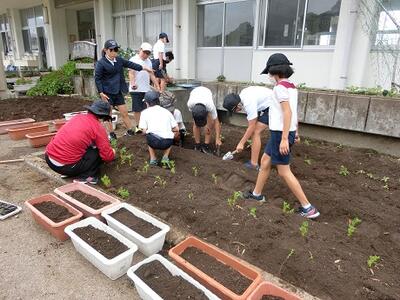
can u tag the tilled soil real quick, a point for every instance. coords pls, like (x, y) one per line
(88, 200)
(270, 297)
(326, 263)
(168, 287)
(103, 242)
(139, 225)
(56, 213)
(40, 108)
(220, 272)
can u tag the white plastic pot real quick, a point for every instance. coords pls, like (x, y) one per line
(113, 268)
(146, 293)
(114, 121)
(147, 246)
(69, 116)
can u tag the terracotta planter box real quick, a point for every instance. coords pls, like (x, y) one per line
(267, 288)
(221, 256)
(56, 229)
(14, 124)
(59, 123)
(86, 210)
(39, 139)
(20, 133)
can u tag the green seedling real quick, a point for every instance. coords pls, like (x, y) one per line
(113, 143)
(125, 157)
(106, 180)
(308, 161)
(123, 192)
(307, 142)
(385, 179)
(340, 146)
(145, 166)
(343, 171)
(291, 253)
(172, 166)
(190, 196)
(286, 208)
(161, 182)
(351, 228)
(360, 172)
(234, 198)
(373, 260)
(195, 171)
(304, 229)
(370, 176)
(214, 178)
(253, 211)
(222, 137)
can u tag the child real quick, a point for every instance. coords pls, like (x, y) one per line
(159, 126)
(283, 126)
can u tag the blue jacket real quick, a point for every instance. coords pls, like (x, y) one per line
(110, 78)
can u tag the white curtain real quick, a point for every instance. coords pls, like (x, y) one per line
(152, 26)
(134, 31)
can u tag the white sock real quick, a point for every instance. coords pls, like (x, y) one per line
(307, 206)
(255, 194)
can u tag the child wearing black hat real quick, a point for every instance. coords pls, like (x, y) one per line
(283, 128)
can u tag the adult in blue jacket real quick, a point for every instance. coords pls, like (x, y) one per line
(110, 82)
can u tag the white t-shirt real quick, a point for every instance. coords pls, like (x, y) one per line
(280, 94)
(142, 78)
(203, 95)
(159, 121)
(255, 99)
(158, 47)
(179, 119)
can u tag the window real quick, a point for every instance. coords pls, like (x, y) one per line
(5, 34)
(210, 18)
(321, 22)
(388, 33)
(152, 25)
(31, 19)
(239, 23)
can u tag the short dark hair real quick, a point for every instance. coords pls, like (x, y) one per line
(283, 71)
(153, 103)
(170, 55)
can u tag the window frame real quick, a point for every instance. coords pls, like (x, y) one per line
(28, 28)
(4, 19)
(379, 48)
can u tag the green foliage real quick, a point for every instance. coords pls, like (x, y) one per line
(145, 167)
(291, 253)
(190, 196)
(351, 228)
(170, 164)
(106, 180)
(22, 80)
(307, 161)
(113, 143)
(123, 192)
(221, 78)
(125, 156)
(195, 171)
(307, 142)
(214, 178)
(373, 260)
(376, 91)
(343, 171)
(126, 53)
(234, 198)
(253, 211)
(304, 228)
(161, 182)
(286, 208)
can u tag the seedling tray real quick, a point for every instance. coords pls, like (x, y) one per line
(7, 209)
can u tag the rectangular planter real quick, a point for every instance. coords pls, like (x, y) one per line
(267, 288)
(59, 123)
(223, 257)
(39, 139)
(86, 210)
(112, 268)
(69, 116)
(146, 293)
(56, 229)
(147, 246)
(14, 124)
(20, 133)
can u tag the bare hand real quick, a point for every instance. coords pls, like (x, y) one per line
(104, 97)
(284, 147)
(239, 147)
(218, 142)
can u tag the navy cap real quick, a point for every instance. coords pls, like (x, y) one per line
(100, 108)
(199, 113)
(163, 35)
(231, 101)
(151, 97)
(111, 44)
(276, 59)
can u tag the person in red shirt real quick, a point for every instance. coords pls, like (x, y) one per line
(81, 145)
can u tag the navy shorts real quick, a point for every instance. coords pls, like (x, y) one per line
(115, 99)
(159, 143)
(156, 68)
(137, 101)
(264, 116)
(272, 147)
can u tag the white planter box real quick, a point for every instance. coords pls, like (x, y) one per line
(113, 268)
(147, 246)
(146, 293)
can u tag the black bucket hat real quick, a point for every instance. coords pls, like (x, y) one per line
(231, 101)
(276, 59)
(199, 113)
(100, 108)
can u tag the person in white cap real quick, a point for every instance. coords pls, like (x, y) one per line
(139, 82)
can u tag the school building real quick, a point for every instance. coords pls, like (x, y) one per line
(332, 43)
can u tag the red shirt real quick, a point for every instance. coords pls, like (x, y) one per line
(72, 140)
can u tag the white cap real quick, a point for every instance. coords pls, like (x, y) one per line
(145, 47)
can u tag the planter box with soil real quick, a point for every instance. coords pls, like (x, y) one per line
(59, 123)
(39, 139)
(156, 278)
(105, 248)
(139, 227)
(269, 291)
(14, 124)
(90, 201)
(20, 133)
(220, 272)
(53, 214)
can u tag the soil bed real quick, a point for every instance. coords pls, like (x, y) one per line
(40, 108)
(56, 213)
(88, 200)
(270, 297)
(220, 272)
(326, 263)
(168, 287)
(139, 225)
(101, 241)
